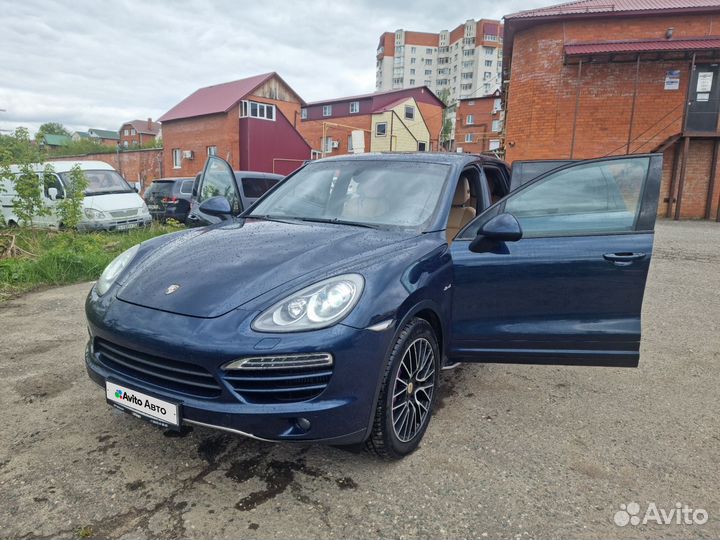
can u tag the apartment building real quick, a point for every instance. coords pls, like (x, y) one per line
(464, 62)
(479, 124)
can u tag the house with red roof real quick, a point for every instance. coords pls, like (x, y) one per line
(402, 120)
(139, 132)
(595, 78)
(250, 122)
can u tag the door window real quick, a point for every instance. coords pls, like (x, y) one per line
(255, 188)
(597, 197)
(186, 187)
(219, 181)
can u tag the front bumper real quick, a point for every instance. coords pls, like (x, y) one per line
(340, 414)
(116, 224)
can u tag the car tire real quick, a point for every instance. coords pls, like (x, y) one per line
(401, 417)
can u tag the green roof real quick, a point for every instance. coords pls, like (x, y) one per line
(56, 140)
(82, 134)
(104, 134)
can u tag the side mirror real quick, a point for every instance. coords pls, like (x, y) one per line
(137, 186)
(217, 206)
(52, 193)
(502, 228)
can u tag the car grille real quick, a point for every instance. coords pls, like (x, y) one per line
(178, 376)
(124, 213)
(281, 379)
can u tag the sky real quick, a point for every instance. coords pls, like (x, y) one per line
(90, 63)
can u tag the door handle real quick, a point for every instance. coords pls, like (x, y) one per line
(623, 259)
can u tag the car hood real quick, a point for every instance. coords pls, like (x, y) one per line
(113, 201)
(222, 267)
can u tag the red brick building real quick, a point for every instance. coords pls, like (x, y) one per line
(596, 78)
(479, 124)
(412, 117)
(139, 132)
(249, 122)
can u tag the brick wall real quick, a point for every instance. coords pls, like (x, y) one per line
(196, 134)
(312, 131)
(481, 110)
(136, 165)
(543, 91)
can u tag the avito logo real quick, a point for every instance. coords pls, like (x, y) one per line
(132, 398)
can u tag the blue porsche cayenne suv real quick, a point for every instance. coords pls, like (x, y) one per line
(327, 311)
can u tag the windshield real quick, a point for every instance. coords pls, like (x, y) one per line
(101, 182)
(160, 189)
(382, 193)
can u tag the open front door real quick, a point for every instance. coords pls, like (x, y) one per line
(570, 290)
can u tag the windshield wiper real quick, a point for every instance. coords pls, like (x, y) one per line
(337, 221)
(269, 217)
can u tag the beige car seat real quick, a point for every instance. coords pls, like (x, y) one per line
(460, 214)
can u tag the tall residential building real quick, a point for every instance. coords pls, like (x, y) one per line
(466, 60)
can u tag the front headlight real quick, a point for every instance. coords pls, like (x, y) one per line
(91, 213)
(318, 306)
(111, 273)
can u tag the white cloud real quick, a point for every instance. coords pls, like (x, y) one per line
(97, 64)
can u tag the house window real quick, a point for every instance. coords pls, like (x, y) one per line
(412, 82)
(428, 72)
(468, 138)
(177, 158)
(487, 75)
(125, 144)
(422, 147)
(428, 51)
(133, 132)
(469, 52)
(303, 114)
(350, 144)
(489, 51)
(327, 110)
(409, 112)
(126, 132)
(381, 129)
(497, 106)
(354, 107)
(467, 75)
(328, 145)
(412, 71)
(497, 125)
(465, 86)
(412, 60)
(488, 63)
(413, 50)
(469, 120)
(428, 62)
(253, 109)
(212, 151)
(494, 144)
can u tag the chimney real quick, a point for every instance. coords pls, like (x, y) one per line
(149, 124)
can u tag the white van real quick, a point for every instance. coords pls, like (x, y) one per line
(110, 203)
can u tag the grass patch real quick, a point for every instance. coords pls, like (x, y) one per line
(52, 258)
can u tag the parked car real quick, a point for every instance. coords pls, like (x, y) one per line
(327, 311)
(247, 187)
(169, 198)
(110, 203)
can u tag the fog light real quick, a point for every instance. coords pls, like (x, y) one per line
(303, 424)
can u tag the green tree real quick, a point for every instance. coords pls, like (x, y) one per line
(18, 149)
(51, 128)
(69, 209)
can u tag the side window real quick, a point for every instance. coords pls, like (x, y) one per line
(186, 187)
(219, 181)
(495, 183)
(598, 197)
(254, 188)
(52, 180)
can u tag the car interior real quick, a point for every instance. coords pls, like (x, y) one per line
(462, 211)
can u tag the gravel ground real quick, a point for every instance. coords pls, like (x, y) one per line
(512, 451)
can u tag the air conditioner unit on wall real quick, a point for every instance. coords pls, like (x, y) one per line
(336, 144)
(188, 154)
